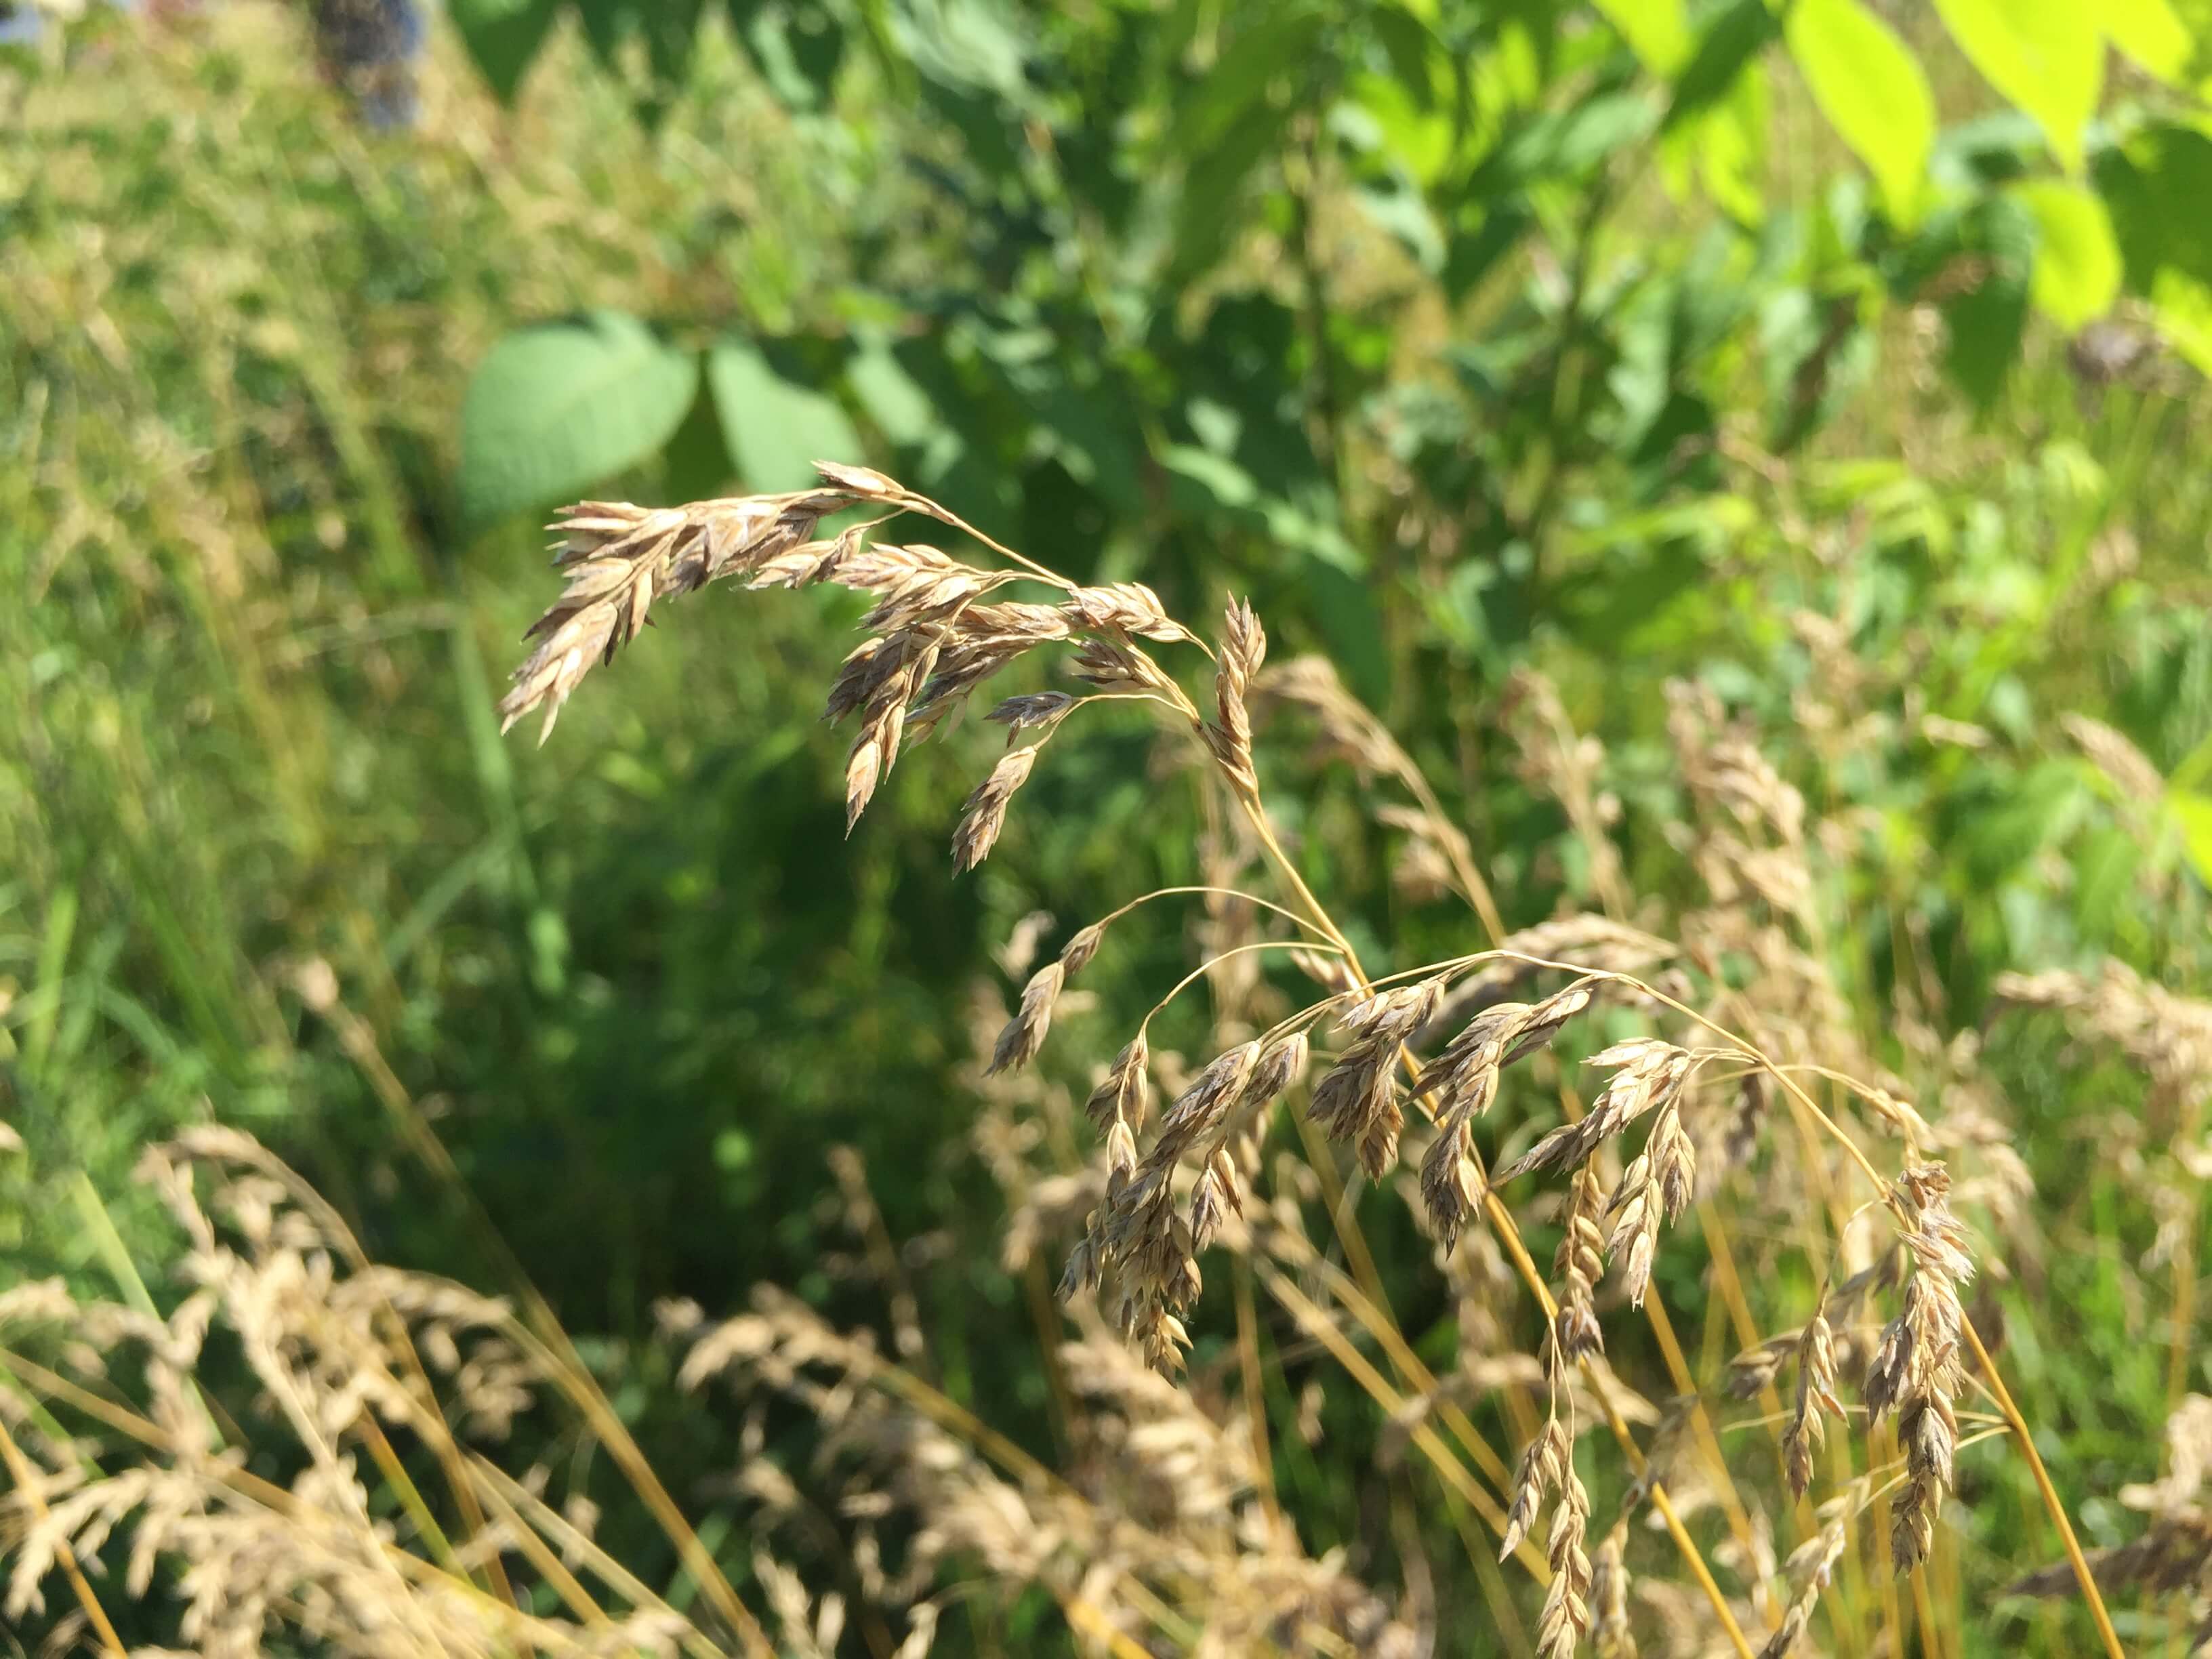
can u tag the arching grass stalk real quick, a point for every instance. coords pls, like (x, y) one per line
(939, 630)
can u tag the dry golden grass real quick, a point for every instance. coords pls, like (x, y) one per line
(1162, 1530)
(932, 642)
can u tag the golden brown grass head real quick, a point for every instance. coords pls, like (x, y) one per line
(1165, 1527)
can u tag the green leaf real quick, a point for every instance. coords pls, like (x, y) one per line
(1350, 619)
(695, 463)
(1262, 57)
(2077, 260)
(888, 396)
(1657, 31)
(557, 407)
(1729, 47)
(2149, 31)
(671, 29)
(2183, 305)
(2105, 870)
(1732, 148)
(1872, 90)
(504, 37)
(2155, 189)
(606, 23)
(1985, 322)
(1209, 214)
(2045, 56)
(1411, 47)
(777, 427)
(2193, 811)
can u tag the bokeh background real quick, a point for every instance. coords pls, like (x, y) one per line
(1849, 362)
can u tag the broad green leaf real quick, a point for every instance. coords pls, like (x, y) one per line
(2184, 306)
(1209, 215)
(2046, 56)
(2193, 811)
(1416, 135)
(2149, 31)
(1261, 59)
(777, 427)
(695, 462)
(1351, 624)
(1872, 90)
(976, 45)
(2155, 189)
(1657, 31)
(560, 406)
(1983, 323)
(503, 36)
(2077, 261)
(797, 49)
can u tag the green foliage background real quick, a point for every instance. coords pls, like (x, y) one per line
(1460, 336)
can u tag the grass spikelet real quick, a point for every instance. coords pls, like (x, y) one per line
(1565, 1617)
(1808, 1568)
(985, 814)
(1024, 1034)
(1544, 1465)
(1915, 1372)
(1580, 1263)
(1356, 1100)
(1609, 1597)
(1243, 648)
(1816, 1396)
(1124, 1095)
(1649, 1073)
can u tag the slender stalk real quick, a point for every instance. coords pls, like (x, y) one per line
(1508, 1233)
(2079, 1562)
(25, 1480)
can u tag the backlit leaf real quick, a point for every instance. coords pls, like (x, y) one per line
(2046, 56)
(2077, 261)
(1872, 90)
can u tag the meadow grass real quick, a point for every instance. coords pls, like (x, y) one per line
(588, 1017)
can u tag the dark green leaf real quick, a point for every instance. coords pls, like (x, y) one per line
(1736, 37)
(1985, 322)
(1260, 59)
(1411, 45)
(2156, 190)
(504, 37)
